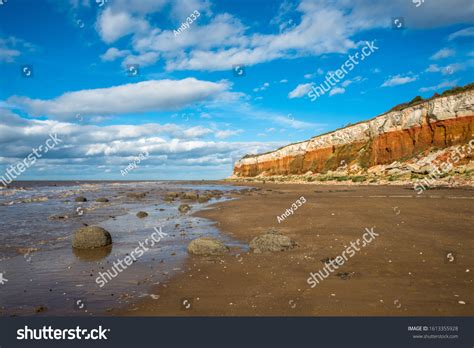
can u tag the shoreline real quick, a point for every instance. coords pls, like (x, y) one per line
(403, 272)
(54, 274)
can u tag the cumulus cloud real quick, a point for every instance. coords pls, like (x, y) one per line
(443, 53)
(113, 53)
(300, 91)
(145, 59)
(322, 27)
(12, 47)
(451, 68)
(439, 86)
(223, 134)
(84, 148)
(114, 25)
(337, 90)
(467, 32)
(398, 80)
(153, 95)
(262, 87)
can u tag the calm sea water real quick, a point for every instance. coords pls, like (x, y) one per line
(43, 270)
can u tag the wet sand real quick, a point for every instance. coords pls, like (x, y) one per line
(52, 278)
(421, 264)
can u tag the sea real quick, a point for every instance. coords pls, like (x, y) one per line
(42, 275)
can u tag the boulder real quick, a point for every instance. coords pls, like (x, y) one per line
(207, 246)
(426, 169)
(142, 214)
(190, 195)
(271, 242)
(203, 199)
(172, 194)
(91, 237)
(184, 208)
(102, 200)
(136, 195)
(80, 199)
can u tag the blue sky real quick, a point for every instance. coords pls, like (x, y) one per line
(186, 106)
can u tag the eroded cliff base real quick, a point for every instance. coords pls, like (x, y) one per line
(452, 166)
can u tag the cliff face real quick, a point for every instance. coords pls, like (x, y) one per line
(393, 136)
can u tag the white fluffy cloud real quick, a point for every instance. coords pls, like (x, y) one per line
(444, 84)
(114, 25)
(12, 47)
(467, 32)
(223, 134)
(451, 68)
(322, 27)
(153, 95)
(443, 53)
(84, 148)
(113, 53)
(398, 80)
(300, 91)
(337, 90)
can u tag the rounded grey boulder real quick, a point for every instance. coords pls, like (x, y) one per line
(81, 199)
(102, 200)
(91, 237)
(207, 246)
(271, 242)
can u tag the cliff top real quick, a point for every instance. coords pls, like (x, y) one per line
(415, 101)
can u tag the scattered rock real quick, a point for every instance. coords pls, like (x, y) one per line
(345, 275)
(26, 251)
(184, 208)
(58, 217)
(203, 199)
(331, 260)
(34, 199)
(40, 309)
(142, 214)
(426, 169)
(80, 199)
(136, 195)
(102, 200)
(190, 195)
(271, 242)
(207, 246)
(91, 237)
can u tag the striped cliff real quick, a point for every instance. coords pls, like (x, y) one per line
(410, 129)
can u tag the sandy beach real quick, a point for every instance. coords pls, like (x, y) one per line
(421, 263)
